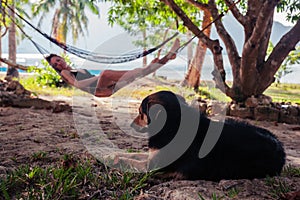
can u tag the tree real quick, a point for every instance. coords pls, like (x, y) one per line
(69, 15)
(139, 16)
(3, 28)
(253, 72)
(12, 45)
(9, 23)
(135, 16)
(192, 78)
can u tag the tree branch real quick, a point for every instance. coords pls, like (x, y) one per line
(231, 49)
(250, 55)
(11, 64)
(235, 11)
(188, 23)
(263, 46)
(286, 44)
(266, 12)
(197, 4)
(213, 45)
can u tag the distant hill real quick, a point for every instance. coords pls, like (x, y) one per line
(237, 32)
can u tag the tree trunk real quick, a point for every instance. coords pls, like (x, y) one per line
(145, 57)
(189, 49)
(0, 44)
(12, 46)
(192, 78)
(159, 51)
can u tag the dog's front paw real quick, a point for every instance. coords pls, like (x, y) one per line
(111, 159)
(127, 161)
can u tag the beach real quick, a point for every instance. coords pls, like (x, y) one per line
(174, 70)
(29, 132)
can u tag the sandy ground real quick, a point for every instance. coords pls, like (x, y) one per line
(26, 131)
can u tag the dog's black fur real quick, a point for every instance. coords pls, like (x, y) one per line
(242, 151)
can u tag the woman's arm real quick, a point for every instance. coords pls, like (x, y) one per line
(82, 84)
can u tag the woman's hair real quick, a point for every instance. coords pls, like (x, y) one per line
(48, 59)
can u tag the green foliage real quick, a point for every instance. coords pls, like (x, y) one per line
(142, 16)
(46, 75)
(291, 171)
(291, 8)
(6, 20)
(69, 16)
(134, 15)
(292, 59)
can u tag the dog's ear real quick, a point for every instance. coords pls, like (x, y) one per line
(156, 111)
(157, 118)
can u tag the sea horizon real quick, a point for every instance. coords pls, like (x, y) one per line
(174, 70)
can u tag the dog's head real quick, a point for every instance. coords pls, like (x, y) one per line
(156, 109)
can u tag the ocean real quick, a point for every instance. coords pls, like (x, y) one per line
(174, 70)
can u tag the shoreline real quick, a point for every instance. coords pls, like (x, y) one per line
(173, 70)
(158, 75)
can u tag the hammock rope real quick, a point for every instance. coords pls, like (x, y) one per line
(88, 55)
(41, 49)
(208, 25)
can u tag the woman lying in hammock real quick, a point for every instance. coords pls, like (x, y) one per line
(109, 81)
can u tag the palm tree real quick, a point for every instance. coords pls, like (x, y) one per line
(8, 21)
(12, 45)
(69, 16)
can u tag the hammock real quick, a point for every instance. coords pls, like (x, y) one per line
(88, 55)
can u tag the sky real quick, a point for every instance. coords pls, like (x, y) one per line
(281, 17)
(99, 32)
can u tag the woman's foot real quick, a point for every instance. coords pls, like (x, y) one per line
(172, 53)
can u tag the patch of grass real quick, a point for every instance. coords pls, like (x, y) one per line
(40, 155)
(212, 94)
(279, 92)
(291, 171)
(284, 92)
(30, 84)
(135, 94)
(278, 187)
(233, 192)
(133, 151)
(71, 178)
(214, 196)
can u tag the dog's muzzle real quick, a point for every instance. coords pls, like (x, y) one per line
(141, 129)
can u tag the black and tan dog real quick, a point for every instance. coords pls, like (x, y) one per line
(177, 132)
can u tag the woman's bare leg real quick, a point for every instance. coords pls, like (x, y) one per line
(106, 82)
(153, 66)
(108, 79)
